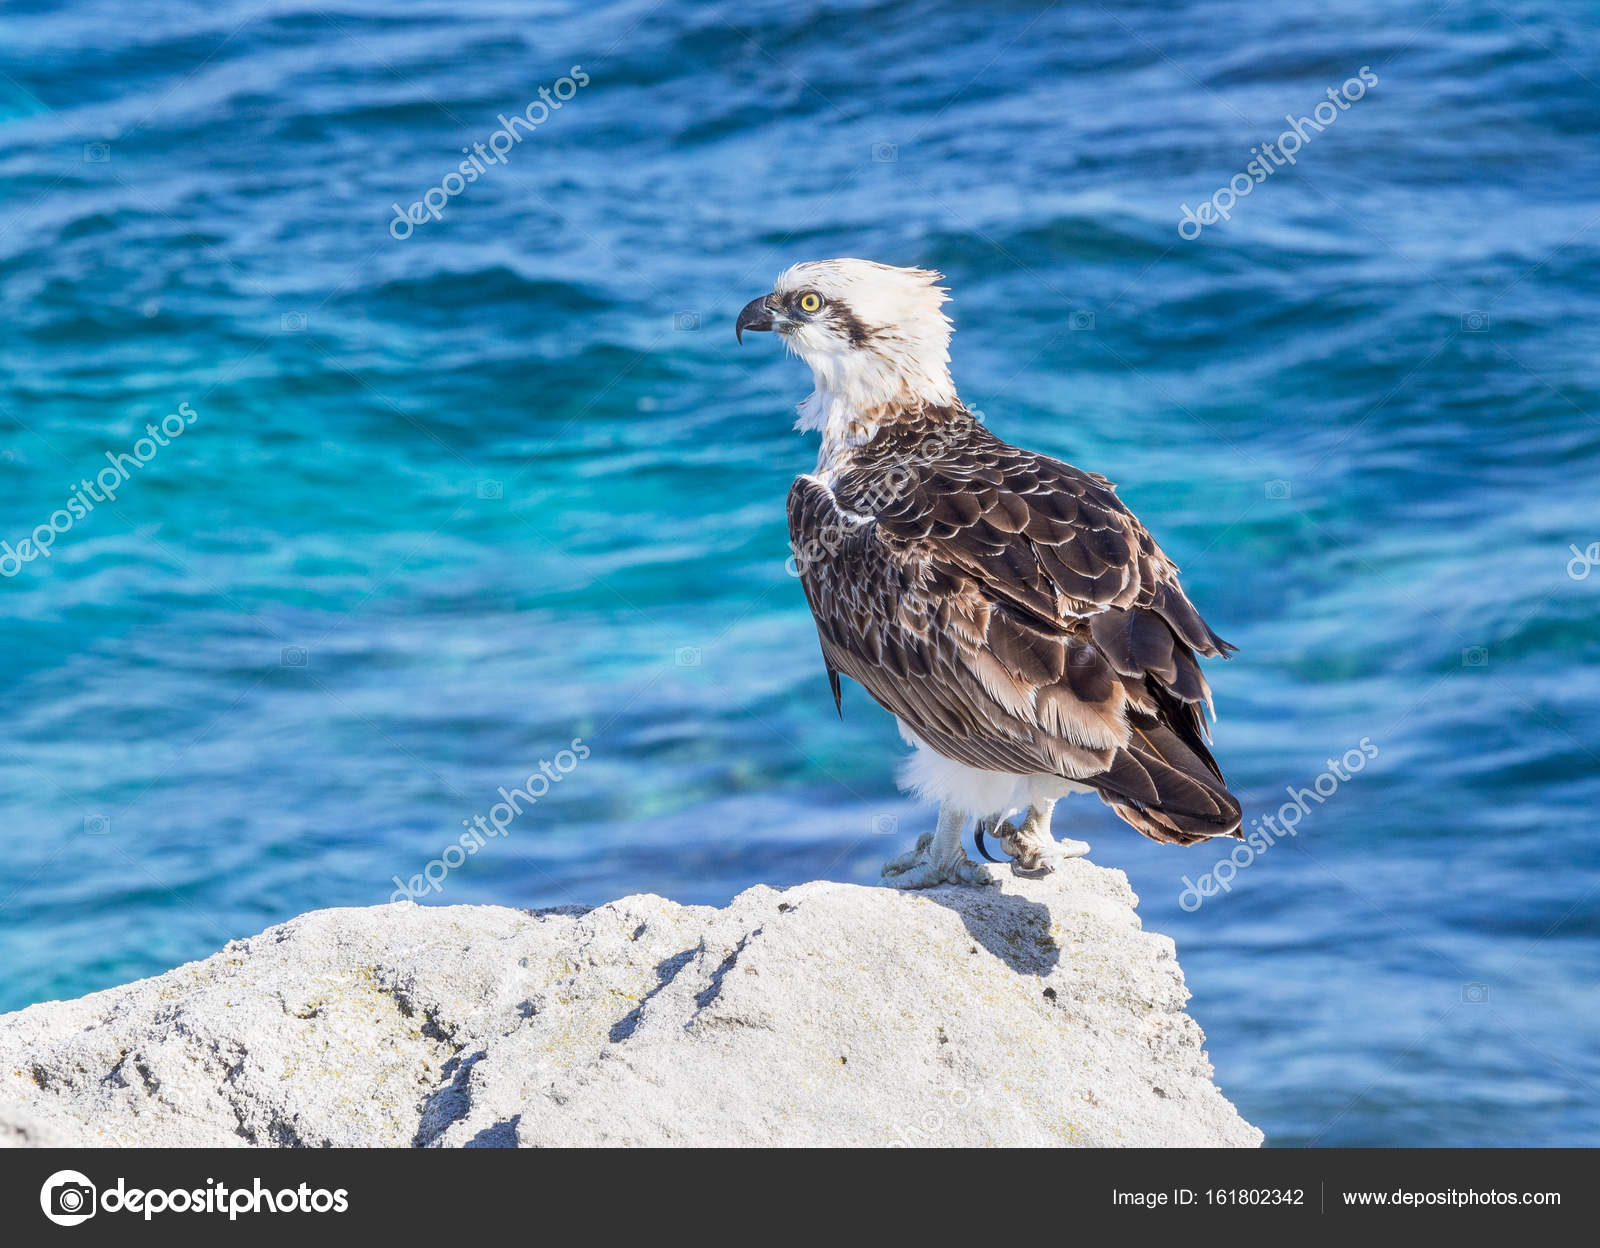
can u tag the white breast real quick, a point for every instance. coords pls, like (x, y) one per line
(935, 778)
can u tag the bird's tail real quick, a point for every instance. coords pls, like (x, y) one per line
(1165, 788)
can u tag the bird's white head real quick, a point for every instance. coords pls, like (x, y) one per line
(876, 338)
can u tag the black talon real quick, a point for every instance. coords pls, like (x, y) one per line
(977, 836)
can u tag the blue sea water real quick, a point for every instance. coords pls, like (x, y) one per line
(450, 501)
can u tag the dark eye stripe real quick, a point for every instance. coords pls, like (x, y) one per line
(853, 329)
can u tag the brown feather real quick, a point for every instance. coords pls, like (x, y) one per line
(1013, 613)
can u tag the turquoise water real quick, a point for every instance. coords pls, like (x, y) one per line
(449, 503)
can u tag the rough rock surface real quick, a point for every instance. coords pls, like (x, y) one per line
(1035, 1013)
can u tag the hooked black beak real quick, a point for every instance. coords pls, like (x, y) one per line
(757, 314)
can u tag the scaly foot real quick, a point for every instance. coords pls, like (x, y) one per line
(1031, 848)
(921, 868)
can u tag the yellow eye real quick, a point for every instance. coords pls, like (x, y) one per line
(810, 301)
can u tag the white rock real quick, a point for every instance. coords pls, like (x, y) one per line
(1035, 1013)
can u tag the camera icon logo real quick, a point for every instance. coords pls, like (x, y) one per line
(491, 490)
(1475, 994)
(292, 322)
(687, 656)
(293, 656)
(1279, 489)
(1474, 322)
(1475, 656)
(1080, 321)
(67, 1198)
(885, 825)
(685, 320)
(885, 153)
(96, 153)
(97, 825)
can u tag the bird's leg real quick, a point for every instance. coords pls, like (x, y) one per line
(938, 857)
(1033, 850)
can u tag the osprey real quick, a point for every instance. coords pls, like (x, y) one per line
(1022, 626)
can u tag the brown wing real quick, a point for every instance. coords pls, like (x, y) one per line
(1018, 618)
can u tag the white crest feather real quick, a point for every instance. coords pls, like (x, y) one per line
(903, 356)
